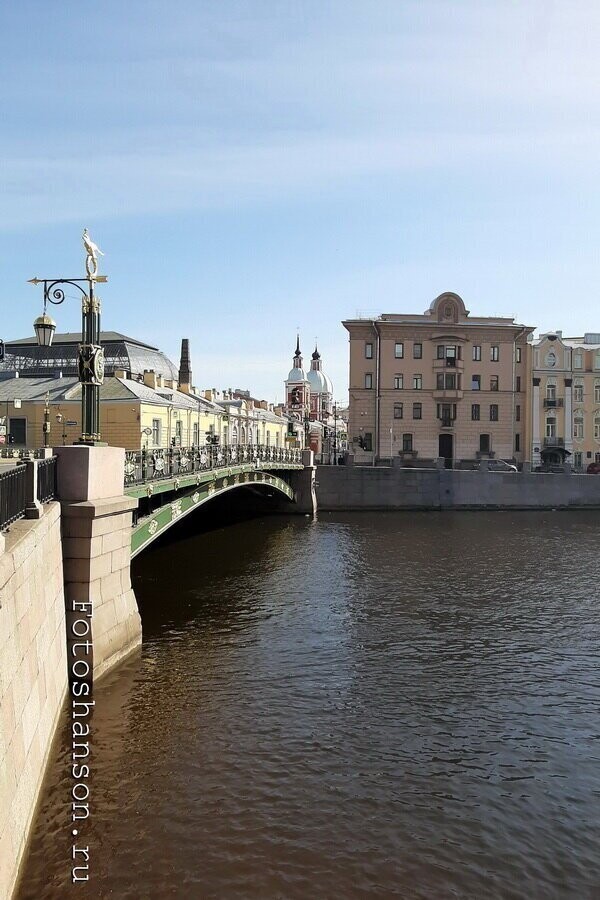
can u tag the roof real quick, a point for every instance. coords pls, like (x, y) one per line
(74, 337)
(36, 389)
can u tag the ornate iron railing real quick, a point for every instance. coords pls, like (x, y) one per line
(13, 495)
(46, 479)
(152, 465)
(21, 453)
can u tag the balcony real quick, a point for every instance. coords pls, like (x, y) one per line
(447, 394)
(556, 403)
(554, 442)
(448, 363)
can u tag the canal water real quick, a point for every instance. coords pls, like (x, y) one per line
(368, 705)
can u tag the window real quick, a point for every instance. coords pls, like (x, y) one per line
(597, 391)
(597, 457)
(417, 410)
(398, 382)
(368, 381)
(578, 392)
(441, 351)
(477, 352)
(517, 413)
(417, 382)
(178, 433)
(597, 425)
(417, 351)
(446, 382)
(447, 413)
(476, 383)
(578, 424)
(369, 351)
(368, 441)
(550, 426)
(407, 443)
(518, 353)
(493, 412)
(551, 390)
(398, 410)
(156, 432)
(196, 434)
(578, 459)
(399, 350)
(597, 359)
(518, 386)
(578, 360)
(517, 443)
(475, 412)
(494, 353)
(450, 356)
(494, 383)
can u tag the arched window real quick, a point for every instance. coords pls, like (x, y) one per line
(243, 434)
(578, 390)
(234, 435)
(550, 426)
(250, 434)
(578, 424)
(597, 425)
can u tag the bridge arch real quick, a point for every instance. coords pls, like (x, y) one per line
(156, 524)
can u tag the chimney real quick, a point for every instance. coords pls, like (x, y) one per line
(185, 367)
(150, 378)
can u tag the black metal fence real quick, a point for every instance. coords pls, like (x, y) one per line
(151, 465)
(13, 495)
(46, 479)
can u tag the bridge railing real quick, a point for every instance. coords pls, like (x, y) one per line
(142, 466)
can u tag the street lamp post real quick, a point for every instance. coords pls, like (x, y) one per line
(91, 354)
(46, 427)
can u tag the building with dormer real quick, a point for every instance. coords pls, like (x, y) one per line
(439, 384)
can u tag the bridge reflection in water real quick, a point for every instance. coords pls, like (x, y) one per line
(171, 482)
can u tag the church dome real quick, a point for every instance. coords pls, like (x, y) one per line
(318, 382)
(297, 375)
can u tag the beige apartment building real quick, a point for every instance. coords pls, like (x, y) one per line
(565, 407)
(441, 384)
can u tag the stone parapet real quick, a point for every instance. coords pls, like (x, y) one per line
(33, 675)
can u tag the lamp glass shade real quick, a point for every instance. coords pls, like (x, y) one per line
(44, 327)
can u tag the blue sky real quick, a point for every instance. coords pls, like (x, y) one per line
(251, 167)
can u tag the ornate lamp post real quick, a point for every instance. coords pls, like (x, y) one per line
(91, 354)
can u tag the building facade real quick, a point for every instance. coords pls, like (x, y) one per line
(441, 384)
(565, 400)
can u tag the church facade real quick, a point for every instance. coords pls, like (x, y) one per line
(309, 401)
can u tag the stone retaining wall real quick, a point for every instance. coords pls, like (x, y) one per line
(366, 487)
(33, 675)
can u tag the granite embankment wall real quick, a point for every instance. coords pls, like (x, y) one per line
(362, 487)
(33, 675)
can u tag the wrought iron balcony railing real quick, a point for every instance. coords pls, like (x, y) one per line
(155, 464)
(554, 442)
(555, 403)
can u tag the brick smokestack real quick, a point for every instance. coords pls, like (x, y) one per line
(185, 366)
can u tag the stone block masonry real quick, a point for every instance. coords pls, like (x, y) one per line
(97, 553)
(33, 675)
(368, 487)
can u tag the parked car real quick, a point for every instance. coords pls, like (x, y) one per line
(500, 465)
(593, 468)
